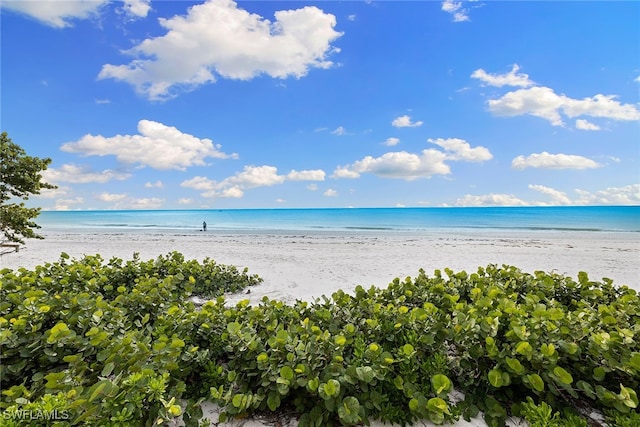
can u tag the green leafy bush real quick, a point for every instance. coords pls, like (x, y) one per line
(120, 344)
(115, 343)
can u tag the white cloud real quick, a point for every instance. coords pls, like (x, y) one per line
(144, 203)
(66, 204)
(339, 131)
(398, 164)
(512, 78)
(157, 184)
(351, 17)
(185, 201)
(54, 193)
(308, 175)
(312, 187)
(330, 193)
(219, 38)
(61, 14)
(158, 146)
(392, 141)
(81, 175)
(280, 200)
(543, 102)
(124, 201)
(232, 192)
(627, 195)
(410, 166)
(557, 197)
(459, 149)
(111, 197)
(586, 125)
(545, 160)
(256, 176)
(537, 101)
(459, 13)
(490, 200)
(250, 177)
(57, 14)
(102, 101)
(405, 121)
(137, 8)
(600, 106)
(199, 183)
(637, 79)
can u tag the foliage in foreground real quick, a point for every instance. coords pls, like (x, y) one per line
(19, 178)
(120, 344)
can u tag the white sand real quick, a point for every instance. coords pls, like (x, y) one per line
(307, 265)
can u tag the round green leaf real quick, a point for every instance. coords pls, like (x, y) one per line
(495, 377)
(564, 376)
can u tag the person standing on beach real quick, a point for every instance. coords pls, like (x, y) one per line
(204, 226)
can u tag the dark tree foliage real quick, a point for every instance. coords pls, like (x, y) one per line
(19, 179)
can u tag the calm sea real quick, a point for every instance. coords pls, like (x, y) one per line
(573, 218)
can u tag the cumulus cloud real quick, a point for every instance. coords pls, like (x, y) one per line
(57, 14)
(545, 160)
(137, 8)
(586, 125)
(54, 193)
(392, 141)
(410, 166)
(61, 14)
(405, 122)
(459, 149)
(512, 78)
(185, 201)
(457, 11)
(218, 39)
(330, 193)
(308, 175)
(627, 195)
(157, 146)
(250, 177)
(543, 102)
(399, 164)
(111, 197)
(124, 201)
(157, 184)
(82, 175)
(490, 200)
(557, 197)
(536, 101)
(66, 204)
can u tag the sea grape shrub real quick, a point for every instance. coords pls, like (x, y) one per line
(501, 334)
(332, 360)
(119, 343)
(116, 342)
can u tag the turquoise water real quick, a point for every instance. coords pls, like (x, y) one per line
(576, 218)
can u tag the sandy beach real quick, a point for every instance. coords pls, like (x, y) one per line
(303, 265)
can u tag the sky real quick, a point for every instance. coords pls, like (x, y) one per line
(148, 104)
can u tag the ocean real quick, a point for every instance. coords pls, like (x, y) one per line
(558, 218)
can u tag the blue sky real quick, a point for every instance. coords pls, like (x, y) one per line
(217, 104)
